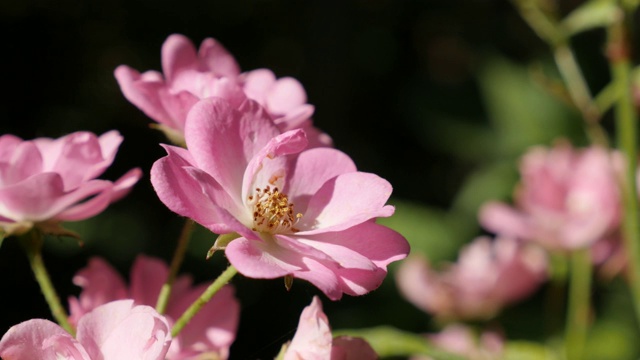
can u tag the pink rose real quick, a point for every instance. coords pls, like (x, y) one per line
(211, 71)
(114, 331)
(487, 276)
(44, 181)
(568, 198)
(307, 214)
(210, 333)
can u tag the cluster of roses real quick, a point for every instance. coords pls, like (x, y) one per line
(568, 199)
(247, 163)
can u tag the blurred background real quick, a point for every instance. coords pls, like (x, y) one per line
(437, 96)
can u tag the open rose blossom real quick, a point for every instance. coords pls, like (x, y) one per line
(44, 181)
(308, 214)
(488, 275)
(313, 339)
(210, 333)
(114, 331)
(568, 198)
(191, 75)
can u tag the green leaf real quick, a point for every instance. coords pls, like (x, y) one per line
(389, 341)
(590, 15)
(524, 350)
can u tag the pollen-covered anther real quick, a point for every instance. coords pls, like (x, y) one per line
(272, 211)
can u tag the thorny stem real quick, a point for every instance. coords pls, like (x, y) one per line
(626, 132)
(578, 309)
(218, 283)
(32, 243)
(178, 257)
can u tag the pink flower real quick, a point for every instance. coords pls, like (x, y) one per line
(308, 214)
(488, 275)
(568, 198)
(313, 339)
(114, 331)
(44, 181)
(211, 71)
(459, 339)
(210, 333)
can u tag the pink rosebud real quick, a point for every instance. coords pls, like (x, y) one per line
(568, 198)
(114, 331)
(313, 339)
(211, 71)
(44, 181)
(307, 214)
(488, 275)
(210, 333)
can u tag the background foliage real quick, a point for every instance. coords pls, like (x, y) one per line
(436, 96)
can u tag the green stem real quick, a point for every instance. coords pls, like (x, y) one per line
(578, 310)
(178, 257)
(32, 243)
(626, 133)
(184, 319)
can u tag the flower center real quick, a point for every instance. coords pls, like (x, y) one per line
(272, 211)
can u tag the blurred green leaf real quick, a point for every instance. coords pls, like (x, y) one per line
(521, 112)
(389, 341)
(610, 340)
(590, 15)
(524, 350)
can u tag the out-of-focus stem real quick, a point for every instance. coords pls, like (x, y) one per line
(32, 243)
(222, 280)
(178, 256)
(578, 309)
(626, 134)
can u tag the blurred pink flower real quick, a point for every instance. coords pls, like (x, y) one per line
(211, 71)
(487, 276)
(459, 339)
(242, 175)
(313, 339)
(44, 181)
(210, 333)
(114, 331)
(568, 198)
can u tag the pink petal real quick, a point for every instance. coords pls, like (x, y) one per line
(147, 277)
(421, 286)
(178, 54)
(256, 84)
(239, 135)
(216, 58)
(322, 274)
(39, 339)
(100, 284)
(120, 330)
(123, 185)
(180, 191)
(25, 161)
(262, 259)
(286, 95)
(503, 219)
(311, 170)
(8, 144)
(345, 201)
(313, 338)
(213, 330)
(143, 92)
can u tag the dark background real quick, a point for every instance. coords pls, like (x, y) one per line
(401, 86)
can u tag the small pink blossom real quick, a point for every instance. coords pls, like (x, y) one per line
(568, 198)
(211, 71)
(114, 331)
(44, 181)
(307, 214)
(313, 339)
(459, 339)
(210, 333)
(487, 276)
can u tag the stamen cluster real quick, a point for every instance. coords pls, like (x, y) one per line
(272, 211)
